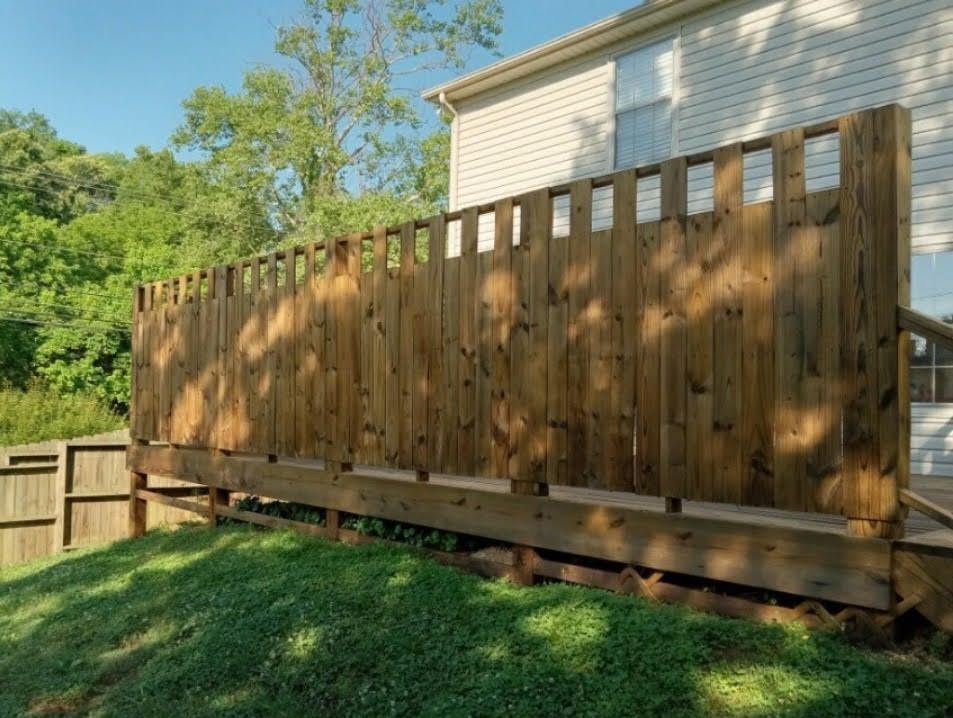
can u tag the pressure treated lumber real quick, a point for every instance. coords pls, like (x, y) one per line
(751, 354)
(807, 562)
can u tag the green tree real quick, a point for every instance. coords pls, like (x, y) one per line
(337, 117)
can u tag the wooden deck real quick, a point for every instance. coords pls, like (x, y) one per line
(937, 489)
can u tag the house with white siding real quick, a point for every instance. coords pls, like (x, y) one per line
(674, 77)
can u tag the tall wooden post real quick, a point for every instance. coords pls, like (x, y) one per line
(875, 278)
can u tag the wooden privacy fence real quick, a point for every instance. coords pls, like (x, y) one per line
(749, 354)
(64, 495)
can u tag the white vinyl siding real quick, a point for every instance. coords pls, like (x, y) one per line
(742, 70)
(753, 68)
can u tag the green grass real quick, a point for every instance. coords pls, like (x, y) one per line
(38, 414)
(246, 622)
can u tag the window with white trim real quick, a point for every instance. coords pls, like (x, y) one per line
(643, 104)
(931, 365)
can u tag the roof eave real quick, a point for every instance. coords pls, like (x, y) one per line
(629, 23)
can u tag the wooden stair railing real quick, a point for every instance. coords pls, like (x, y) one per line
(925, 326)
(929, 508)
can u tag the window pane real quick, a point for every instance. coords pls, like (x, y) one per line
(644, 76)
(643, 135)
(931, 284)
(944, 356)
(944, 385)
(921, 385)
(921, 351)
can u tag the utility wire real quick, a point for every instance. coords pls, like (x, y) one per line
(39, 289)
(61, 248)
(105, 186)
(64, 325)
(81, 313)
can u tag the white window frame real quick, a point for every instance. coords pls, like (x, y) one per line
(676, 39)
(932, 366)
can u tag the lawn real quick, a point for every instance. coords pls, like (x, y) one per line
(246, 622)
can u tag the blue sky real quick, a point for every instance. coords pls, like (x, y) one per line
(111, 74)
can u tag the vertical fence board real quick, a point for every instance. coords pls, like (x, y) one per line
(825, 458)
(483, 434)
(287, 385)
(624, 333)
(702, 264)
(793, 331)
(758, 361)
(318, 421)
(422, 353)
(727, 311)
(178, 409)
(368, 434)
(578, 340)
(349, 347)
(248, 347)
(557, 382)
(193, 372)
(392, 367)
(648, 361)
(303, 358)
(169, 359)
(378, 346)
(535, 430)
(674, 176)
(217, 335)
(451, 359)
(271, 336)
(501, 304)
(437, 404)
(466, 378)
(405, 368)
(599, 334)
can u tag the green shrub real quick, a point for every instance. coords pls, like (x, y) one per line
(282, 510)
(39, 413)
(419, 536)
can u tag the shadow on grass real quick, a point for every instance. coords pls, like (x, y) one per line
(243, 622)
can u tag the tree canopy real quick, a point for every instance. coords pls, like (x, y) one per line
(331, 139)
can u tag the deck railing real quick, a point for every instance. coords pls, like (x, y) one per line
(749, 354)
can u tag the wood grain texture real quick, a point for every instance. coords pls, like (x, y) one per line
(674, 327)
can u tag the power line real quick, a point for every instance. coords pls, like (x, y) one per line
(38, 288)
(105, 186)
(65, 325)
(61, 248)
(67, 179)
(115, 321)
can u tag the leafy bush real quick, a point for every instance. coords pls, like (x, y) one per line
(282, 510)
(419, 536)
(39, 414)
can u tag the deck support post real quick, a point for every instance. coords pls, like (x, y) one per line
(137, 506)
